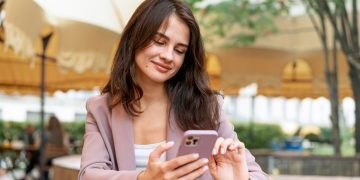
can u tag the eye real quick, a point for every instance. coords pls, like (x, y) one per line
(180, 51)
(159, 42)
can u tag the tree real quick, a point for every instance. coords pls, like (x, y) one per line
(344, 24)
(238, 22)
(330, 71)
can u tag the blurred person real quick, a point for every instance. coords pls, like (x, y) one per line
(56, 142)
(32, 144)
(158, 88)
(31, 147)
(55, 146)
(30, 136)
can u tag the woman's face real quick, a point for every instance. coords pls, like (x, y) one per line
(162, 59)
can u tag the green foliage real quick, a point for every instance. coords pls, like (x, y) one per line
(75, 130)
(237, 22)
(261, 136)
(325, 135)
(10, 130)
(313, 137)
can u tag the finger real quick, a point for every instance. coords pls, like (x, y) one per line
(188, 168)
(225, 145)
(180, 161)
(155, 155)
(240, 146)
(217, 145)
(195, 174)
(237, 145)
(212, 164)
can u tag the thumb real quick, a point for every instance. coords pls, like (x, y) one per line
(155, 155)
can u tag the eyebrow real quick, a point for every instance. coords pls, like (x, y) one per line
(164, 36)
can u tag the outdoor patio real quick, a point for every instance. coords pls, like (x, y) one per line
(280, 90)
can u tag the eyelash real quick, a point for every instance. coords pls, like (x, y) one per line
(163, 43)
(159, 42)
(179, 52)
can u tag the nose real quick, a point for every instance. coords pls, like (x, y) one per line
(167, 54)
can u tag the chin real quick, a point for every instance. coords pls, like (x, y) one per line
(161, 79)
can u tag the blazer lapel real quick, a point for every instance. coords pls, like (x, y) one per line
(122, 129)
(174, 133)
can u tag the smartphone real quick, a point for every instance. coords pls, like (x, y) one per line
(198, 141)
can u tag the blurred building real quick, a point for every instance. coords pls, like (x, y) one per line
(67, 106)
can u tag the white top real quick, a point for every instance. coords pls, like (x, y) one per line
(142, 152)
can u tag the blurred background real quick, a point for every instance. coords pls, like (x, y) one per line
(289, 71)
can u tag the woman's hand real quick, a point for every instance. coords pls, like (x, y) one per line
(182, 167)
(228, 160)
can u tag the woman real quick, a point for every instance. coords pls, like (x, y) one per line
(158, 89)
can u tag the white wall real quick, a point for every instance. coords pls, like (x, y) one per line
(63, 105)
(268, 110)
(281, 110)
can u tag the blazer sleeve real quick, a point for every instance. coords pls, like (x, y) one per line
(226, 130)
(95, 158)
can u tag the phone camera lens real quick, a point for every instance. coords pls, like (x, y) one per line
(188, 142)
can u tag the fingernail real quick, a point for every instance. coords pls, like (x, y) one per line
(170, 143)
(231, 147)
(205, 160)
(214, 152)
(205, 168)
(196, 155)
(222, 151)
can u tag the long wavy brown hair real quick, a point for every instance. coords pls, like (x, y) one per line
(194, 104)
(55, 131)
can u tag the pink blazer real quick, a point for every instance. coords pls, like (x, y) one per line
(108, 151)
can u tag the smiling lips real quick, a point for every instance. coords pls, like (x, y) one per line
(161, 67)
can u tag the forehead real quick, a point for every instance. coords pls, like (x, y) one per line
(175, 28)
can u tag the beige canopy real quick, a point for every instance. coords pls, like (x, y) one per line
(277, 73)
(289, 63)
(79, 54)
(85, 39)
(18, 75)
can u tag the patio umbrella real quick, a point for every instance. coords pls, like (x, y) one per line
(288, 63)
(278, 73)
(88, 30)
(72, 43)
(18, 76)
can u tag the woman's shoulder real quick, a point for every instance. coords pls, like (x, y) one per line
(220, 98)
(99, 102)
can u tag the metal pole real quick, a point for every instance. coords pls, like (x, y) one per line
(45, 41)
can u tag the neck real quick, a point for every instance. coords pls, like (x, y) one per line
(153, 94)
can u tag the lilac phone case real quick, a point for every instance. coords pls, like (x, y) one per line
(198, 141)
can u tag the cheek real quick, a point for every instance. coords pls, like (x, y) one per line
(139, 60)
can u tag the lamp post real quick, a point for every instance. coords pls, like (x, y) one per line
(45, 41)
